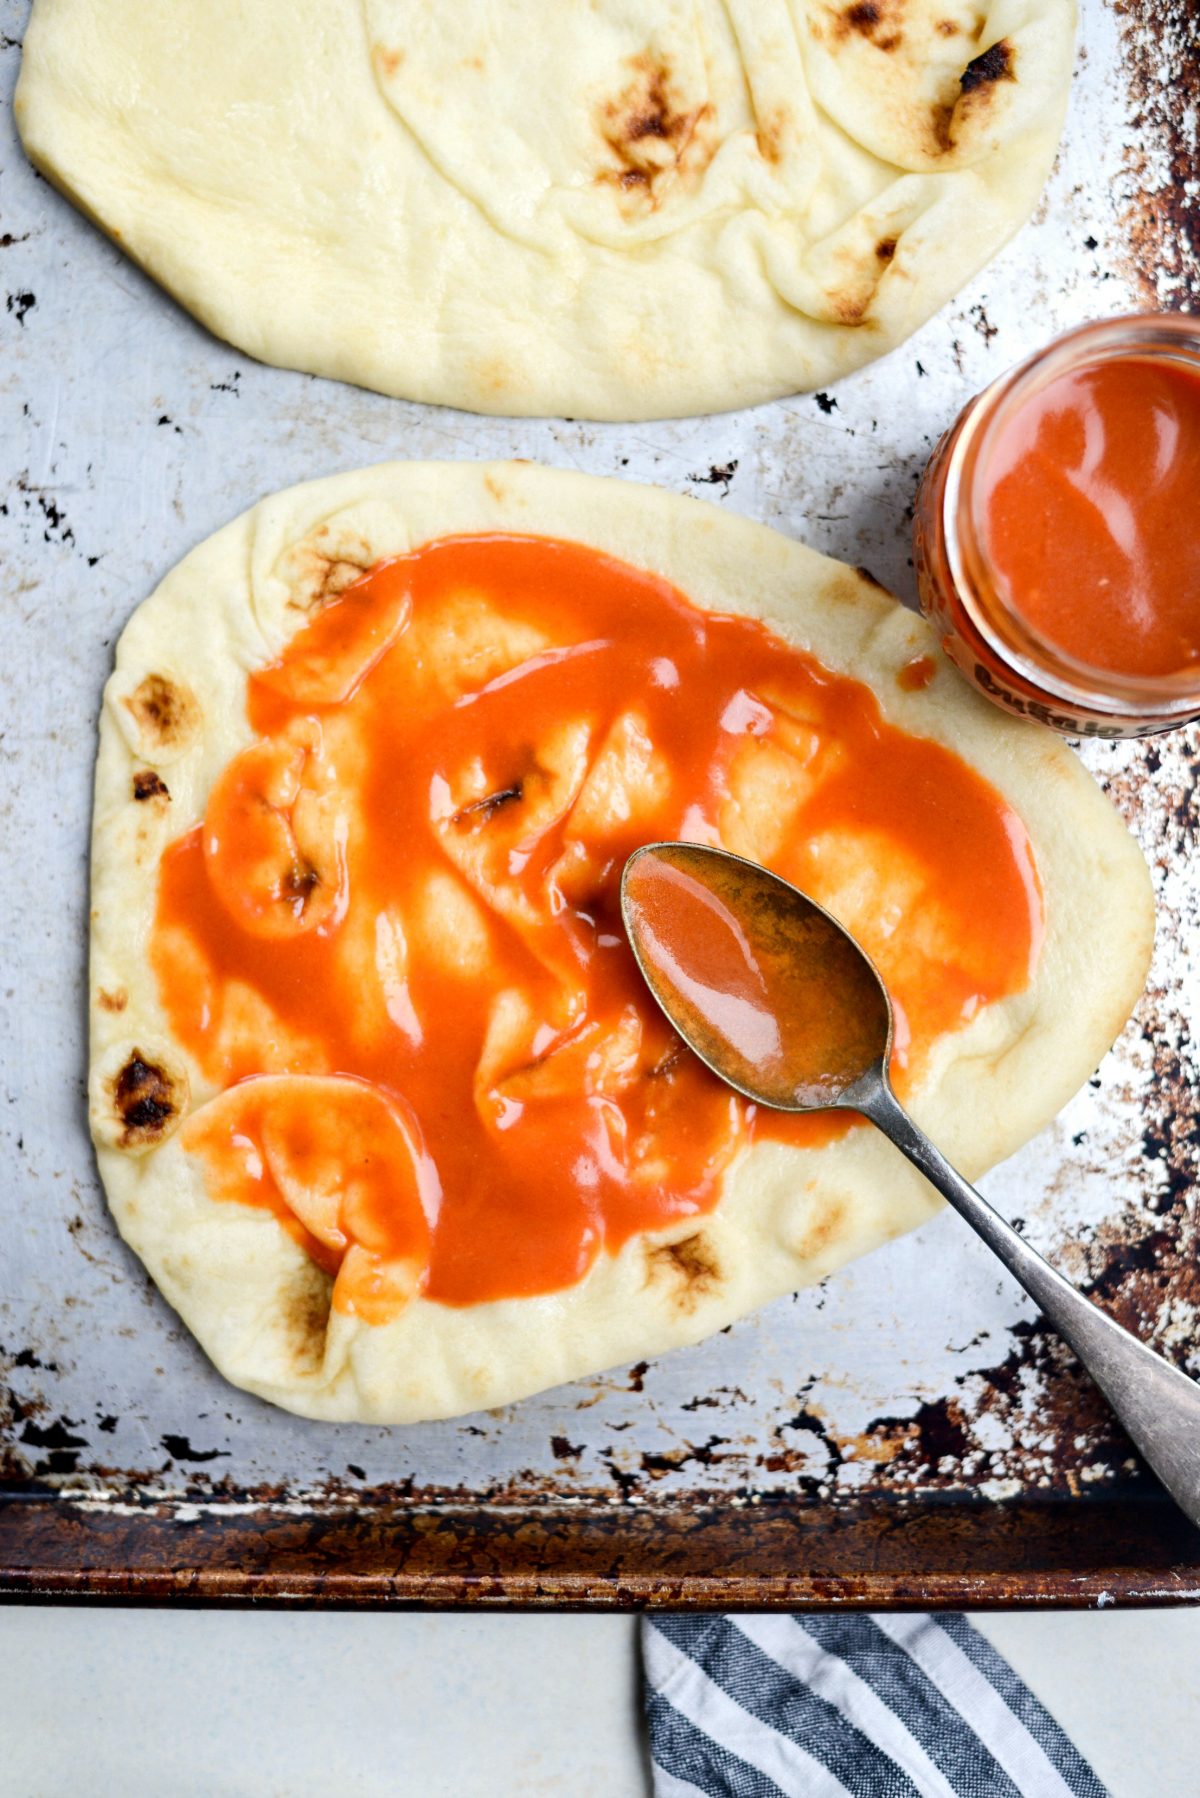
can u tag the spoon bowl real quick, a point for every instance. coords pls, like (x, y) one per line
(778, 999)
(762, 983)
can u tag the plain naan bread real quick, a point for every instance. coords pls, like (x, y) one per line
(175, 714)
(604, 208)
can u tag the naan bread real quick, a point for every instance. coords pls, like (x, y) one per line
(604, 208)
(175, 714)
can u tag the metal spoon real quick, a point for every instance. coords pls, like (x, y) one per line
(800, 1020)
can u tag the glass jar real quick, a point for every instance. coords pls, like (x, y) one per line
(962, 594)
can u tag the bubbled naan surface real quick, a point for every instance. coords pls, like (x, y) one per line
(787, 1216)
(605, 208)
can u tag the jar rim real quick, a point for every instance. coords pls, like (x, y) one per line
(1175, 336)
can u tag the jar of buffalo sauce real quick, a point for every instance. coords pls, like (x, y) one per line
(1057, 531)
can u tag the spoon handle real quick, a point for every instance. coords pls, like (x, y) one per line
(1158, 1406)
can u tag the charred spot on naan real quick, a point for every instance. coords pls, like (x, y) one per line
(477, 812)
(820, 1228)
(299, 882)
(274, 835)
(112, 1002)
(653, 134)
(772, 128)
(539, 785)
(318, 570)
(138, 1099)
(977, 85)
(484, 817)
(145, 1096)
(976, 96)
(689, 1267)
(148, 785)
(937, 121)
(995, 64)
(338, 550)
(305, 1303)
(165, 715)
(851, 306)
(877, 20)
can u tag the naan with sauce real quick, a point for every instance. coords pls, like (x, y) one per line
(603, 208)
(378, 1096)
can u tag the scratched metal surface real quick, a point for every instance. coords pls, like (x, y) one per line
(129, 434)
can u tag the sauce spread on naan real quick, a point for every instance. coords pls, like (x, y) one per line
(404, 896)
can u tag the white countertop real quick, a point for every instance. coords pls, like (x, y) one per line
(283, 1705)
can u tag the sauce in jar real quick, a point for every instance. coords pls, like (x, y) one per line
(1058, 532)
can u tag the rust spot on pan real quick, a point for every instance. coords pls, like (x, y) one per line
(1161, 220)
(780, 1556)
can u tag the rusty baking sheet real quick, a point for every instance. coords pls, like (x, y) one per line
(907, 1434)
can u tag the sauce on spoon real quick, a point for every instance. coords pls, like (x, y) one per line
(763, 986)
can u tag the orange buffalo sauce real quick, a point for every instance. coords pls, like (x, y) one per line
(404, 895)
(1056, 533)
(916, 675)
(339, 1163)
(1092, 513)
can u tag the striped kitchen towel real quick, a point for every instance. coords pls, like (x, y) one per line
(846, 1707)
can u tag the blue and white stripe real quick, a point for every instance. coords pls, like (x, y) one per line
(846, 1707)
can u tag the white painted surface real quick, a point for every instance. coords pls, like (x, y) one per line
(198, 1705)
(269, 1705)
(1124, 1685)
